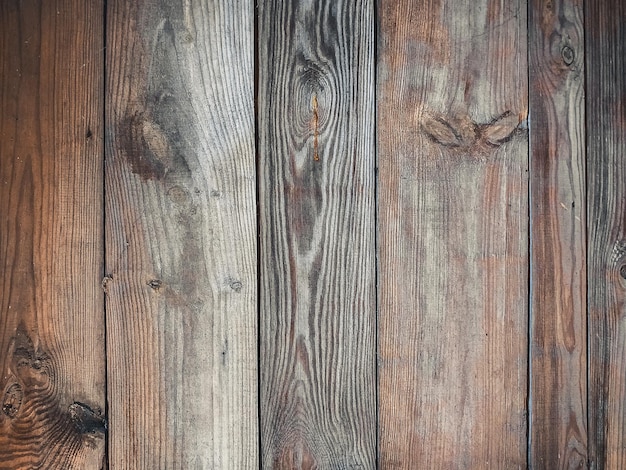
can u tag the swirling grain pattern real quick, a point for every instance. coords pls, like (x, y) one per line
(558, 207)
(317, 253)
(453, 233)
(605, 37)
(181, 235)
(52, 360)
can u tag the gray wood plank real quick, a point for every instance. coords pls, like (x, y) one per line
(181, 235)
(605, 38)
(317, 229)
(453, 234)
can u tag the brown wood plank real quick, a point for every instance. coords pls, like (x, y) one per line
(317, 228)
(181, 235)
(453, 234)
(52, 359)
(558, 236)
(605, 37)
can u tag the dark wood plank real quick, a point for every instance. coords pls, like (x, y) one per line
(453, 234)
(605, 38)
(52, 359)
(317, 254)
(181, 234)
(558, 236)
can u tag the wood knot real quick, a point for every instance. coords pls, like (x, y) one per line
(155, 284)
(568, 56)
(12, 400)
(86, 420)
(234, 284)
(464, 133)
(145, 147)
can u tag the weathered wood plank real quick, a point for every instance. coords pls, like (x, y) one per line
(605, 37)
(181, 234)
(558, 236)
(453, 234)
(317, 253)
(52, 359)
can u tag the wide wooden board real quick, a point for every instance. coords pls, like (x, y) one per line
(317, 227)
(181, 277)
(453, 233)
(52, 358)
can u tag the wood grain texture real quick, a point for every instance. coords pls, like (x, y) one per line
(453, 234)
(181, 235)
(558, 237)
(605, 37)
(52, 360)
(317, 228)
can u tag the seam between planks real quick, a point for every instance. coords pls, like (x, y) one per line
(586, 234)
(529, 365)
(106, 463)
(255, 45)
(376, 26)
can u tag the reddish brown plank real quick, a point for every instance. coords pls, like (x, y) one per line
(558, 290)
(605, 39)
(453, 233)
(52, 361)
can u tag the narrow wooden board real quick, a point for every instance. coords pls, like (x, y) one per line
(181, 235)
(605, 37)
(317, 229)
(52, 358)
(453, 234)
(558, 236)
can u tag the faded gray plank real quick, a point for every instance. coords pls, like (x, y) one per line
(316, 198)
(181, 235)
(605, 37)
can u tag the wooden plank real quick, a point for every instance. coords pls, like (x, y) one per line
(453, 234)
(52, 358)
(317, 229)
(181, 235)
(558, 436)
(605, 37)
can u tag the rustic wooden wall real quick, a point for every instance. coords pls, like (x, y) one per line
(312, 234)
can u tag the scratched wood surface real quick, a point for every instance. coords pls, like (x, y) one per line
(558, 238)
(52, 381)
(181, 235)
(605, 39)
(453, 234)
(317, 252)
(134, 300)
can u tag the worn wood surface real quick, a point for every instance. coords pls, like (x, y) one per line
(317, 252)
(453, 234)
(52, 361)
(181, 235)
(605, 39)
(558, 437)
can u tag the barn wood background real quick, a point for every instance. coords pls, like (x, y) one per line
(312, 234)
